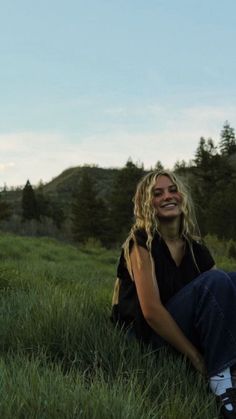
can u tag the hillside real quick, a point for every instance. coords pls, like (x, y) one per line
(211, 172)
(64, 186)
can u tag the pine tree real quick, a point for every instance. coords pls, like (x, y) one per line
(5, 210)
(211, 190)
(87, 214)
(205, 153)
(227, 140)
(29, 203)
(180, 166)
(206, 164)
(43, 203)
(48, 207)
(221, 211)
(122, 207)
(56, 213)
(159, 166)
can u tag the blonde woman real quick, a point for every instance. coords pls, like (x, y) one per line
(168, 290)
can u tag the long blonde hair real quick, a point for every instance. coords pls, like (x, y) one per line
(145, 214)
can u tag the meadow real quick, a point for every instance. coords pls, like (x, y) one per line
(61, 357)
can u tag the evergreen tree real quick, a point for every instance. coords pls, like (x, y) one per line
(29, 203)
(121, 200)
(4, 210)
(87, 212)
(57, 214)
(103, 230)
(49, 208)
(180, 166)
(206, 174)
(159, 165)
(211, 190)
(205, 153)
(227, 140)
(221, 210)
(43, 203)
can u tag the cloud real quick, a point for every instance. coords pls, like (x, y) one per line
(4, 167)
(207, 115)
(22, 142)
(170, 135)
(196, 120)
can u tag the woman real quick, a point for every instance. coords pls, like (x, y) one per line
(168, 289)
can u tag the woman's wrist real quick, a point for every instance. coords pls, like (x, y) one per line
(193, 354)
(197, 360)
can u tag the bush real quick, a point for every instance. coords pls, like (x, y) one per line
(35, 228)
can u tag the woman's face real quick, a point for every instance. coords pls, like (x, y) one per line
(166, 198)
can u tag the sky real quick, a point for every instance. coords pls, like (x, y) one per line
(102, 81)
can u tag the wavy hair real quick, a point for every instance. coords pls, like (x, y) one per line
(145, 213)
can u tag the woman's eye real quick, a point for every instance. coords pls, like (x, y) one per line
(173, 189)
(157, 193)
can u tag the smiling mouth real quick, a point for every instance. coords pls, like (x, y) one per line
(169, 205)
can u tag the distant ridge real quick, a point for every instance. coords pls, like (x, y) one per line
(63, 187)
(68, 181)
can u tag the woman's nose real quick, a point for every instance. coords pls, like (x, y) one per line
(167, 194)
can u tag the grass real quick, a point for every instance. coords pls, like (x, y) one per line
(60, 355)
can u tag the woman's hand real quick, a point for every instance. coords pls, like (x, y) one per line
(198, 362)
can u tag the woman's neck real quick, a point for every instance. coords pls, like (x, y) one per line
(170, 229)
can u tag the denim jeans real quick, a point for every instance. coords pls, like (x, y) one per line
(205, 310)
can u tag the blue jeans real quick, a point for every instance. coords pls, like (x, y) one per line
(205, 310)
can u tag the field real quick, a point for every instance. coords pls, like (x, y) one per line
(61, 357)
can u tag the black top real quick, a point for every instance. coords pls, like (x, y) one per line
(170, 278)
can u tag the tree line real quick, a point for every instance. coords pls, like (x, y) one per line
(211, 176)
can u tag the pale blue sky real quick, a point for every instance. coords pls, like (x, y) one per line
(99, 81)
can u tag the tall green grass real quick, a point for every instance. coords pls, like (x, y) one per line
(60, 355)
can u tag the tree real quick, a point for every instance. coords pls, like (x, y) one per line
(57, 214)
(221, 210)
(43, 203)
(207, 173)
(205, 153)
(159, 166)
(227, 140)
(88, 212)
(211, 190)
(5, 210)
(180, 166)
(49, 208)
(29, 203)
(121, 200)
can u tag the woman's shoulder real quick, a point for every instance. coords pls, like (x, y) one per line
(198, 243)
(203, 254)
(141, 236)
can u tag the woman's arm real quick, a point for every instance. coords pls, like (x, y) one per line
(156, 315)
